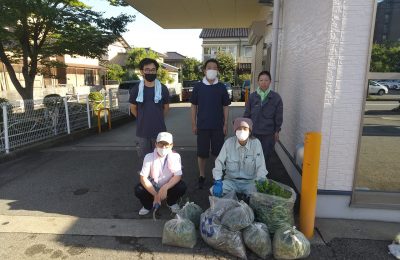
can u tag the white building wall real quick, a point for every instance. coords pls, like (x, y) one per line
(322, 70)
(114, 49)
(348, 52)
(302, 69)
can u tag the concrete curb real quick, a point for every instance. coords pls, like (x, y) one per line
(82, 226)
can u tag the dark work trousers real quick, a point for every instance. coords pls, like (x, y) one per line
(268, 144)
(173, 194)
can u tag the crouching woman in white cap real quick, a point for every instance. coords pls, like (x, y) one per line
(160, 177)
(242, 160)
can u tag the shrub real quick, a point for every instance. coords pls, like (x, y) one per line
(52, 101)
(96, 96)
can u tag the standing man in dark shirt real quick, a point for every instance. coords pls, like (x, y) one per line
(149, 104)
(265, 109)
(210, 101)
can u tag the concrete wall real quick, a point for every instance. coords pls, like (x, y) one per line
(323, 55)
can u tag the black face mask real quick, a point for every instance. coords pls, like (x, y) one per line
(150, 77)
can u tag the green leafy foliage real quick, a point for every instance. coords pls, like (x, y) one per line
(242, 78)
(385, 57)
(31, 32)
(135, 55)
(191, 69)
(163, 76)
(272, 188)
(96, 96)
(226, 66)
(115, 72)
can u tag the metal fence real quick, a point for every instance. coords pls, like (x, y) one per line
(30, 121)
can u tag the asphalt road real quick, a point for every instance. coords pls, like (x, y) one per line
(60, 203)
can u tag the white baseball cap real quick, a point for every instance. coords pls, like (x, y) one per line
(164, 136)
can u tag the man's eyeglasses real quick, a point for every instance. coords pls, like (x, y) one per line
(150, 70)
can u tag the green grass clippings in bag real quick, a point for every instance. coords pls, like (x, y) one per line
(289, 243)
(179, 232)
(256, 238)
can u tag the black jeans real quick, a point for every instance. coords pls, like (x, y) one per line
(173, 194)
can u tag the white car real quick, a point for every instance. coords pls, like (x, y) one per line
(377, 88)
(390, 83)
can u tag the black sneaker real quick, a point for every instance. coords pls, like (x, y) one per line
(201, 182)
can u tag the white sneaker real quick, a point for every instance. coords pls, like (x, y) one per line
(143, 211)
(174, 208)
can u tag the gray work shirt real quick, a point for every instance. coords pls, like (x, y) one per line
(243, 162)
(267, 116)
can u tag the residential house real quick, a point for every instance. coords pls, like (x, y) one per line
(319, 54)
(175, 59)
(228, 40)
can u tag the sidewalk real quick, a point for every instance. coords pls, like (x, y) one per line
(76, 200)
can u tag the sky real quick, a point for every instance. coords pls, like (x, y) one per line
(145, 33)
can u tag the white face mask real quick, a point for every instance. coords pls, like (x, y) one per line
(242, 135)
(211, 74)
(163, 151)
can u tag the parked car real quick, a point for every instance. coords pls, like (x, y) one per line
(377, 88)
(389, 83)
(229, 89)
(187, 89)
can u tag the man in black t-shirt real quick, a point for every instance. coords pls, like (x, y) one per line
(210, 101)
(149, 104)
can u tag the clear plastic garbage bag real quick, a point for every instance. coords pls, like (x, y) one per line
(179, 232)
(289, 243)
(256, 238)
(192, 212)
(219, 237)
(219, 206)
(274, 211)
(238, 218)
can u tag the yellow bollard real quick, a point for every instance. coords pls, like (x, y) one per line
(309, 183)
(246, 95)
(99, 120)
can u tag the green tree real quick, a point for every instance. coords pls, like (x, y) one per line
(226, 66)
(163, 76)
(243, 77)
(115, 72)
(32, 31)
(191, 69)
(385, 57)
(135, 55)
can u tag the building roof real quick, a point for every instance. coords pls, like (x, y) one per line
(119, 59)
(172, 55)
(224, 33)
(124, 42)
(162, 55)
(169, 67)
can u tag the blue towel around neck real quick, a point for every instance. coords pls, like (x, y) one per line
(157, 91)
